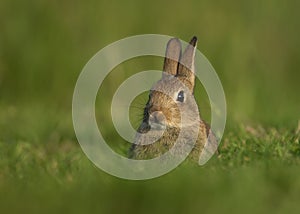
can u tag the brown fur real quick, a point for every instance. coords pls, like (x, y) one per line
(167, 141)
(178, 76)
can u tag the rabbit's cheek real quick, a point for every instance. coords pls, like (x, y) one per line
(173, 116)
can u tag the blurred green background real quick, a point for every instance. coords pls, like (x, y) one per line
(253, 46)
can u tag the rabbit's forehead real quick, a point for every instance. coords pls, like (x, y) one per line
(167, 86)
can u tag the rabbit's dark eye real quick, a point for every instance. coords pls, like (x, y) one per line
(180, 96)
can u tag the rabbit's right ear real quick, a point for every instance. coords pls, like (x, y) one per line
(186, 67)
(173, 53)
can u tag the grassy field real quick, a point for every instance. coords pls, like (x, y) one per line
(253, 46)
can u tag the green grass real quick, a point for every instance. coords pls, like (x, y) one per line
(253, 46)
(257, 170)
(58, 177)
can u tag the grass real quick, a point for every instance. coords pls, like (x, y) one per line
(257, 170)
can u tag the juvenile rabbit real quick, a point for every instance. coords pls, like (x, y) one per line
(162, 112)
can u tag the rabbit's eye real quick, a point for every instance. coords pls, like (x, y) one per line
(180, 96)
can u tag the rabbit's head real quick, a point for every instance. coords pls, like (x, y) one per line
(173, 93)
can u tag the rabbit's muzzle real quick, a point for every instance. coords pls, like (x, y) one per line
(157, 120)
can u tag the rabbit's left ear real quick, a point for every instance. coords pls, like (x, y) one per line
(173, 52)
(185, 71)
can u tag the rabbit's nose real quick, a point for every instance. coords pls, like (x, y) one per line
(157, 117)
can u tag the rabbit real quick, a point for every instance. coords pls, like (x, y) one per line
(161, 117)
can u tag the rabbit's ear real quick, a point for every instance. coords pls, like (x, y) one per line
(172, 57)
(186, 67)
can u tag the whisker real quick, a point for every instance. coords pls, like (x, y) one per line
(137, 107)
